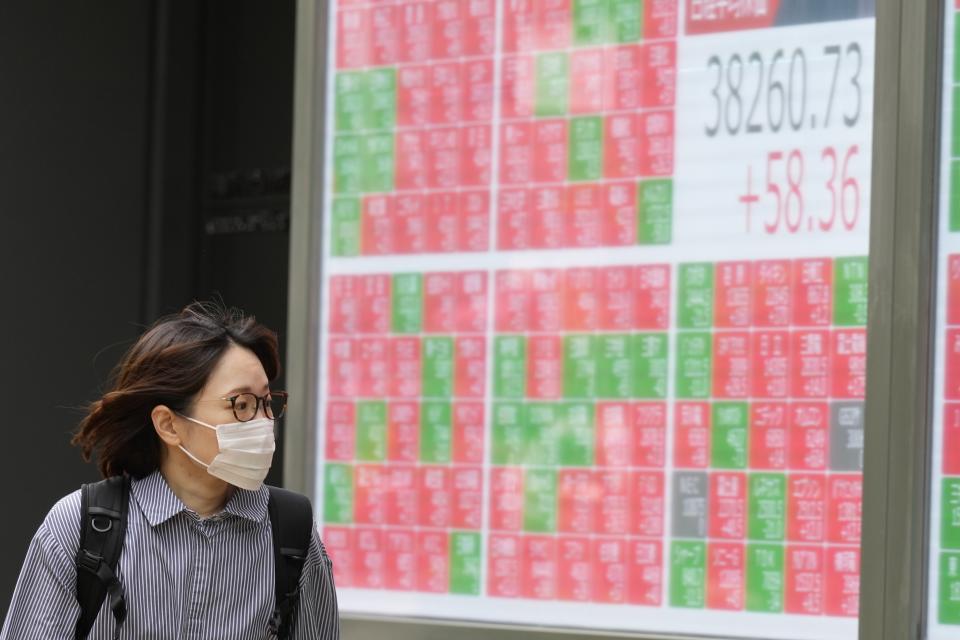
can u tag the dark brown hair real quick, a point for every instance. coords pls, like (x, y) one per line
(169, 364)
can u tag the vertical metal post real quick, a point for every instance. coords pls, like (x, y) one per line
(305, 233)
(902, 254)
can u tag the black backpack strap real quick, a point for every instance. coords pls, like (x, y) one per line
(291, 518)
(103, 526)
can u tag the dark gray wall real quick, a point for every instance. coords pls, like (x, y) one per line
(133, 136)
(72, 194)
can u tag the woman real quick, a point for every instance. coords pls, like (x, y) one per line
(189, 419)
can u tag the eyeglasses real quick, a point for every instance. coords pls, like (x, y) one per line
(246, 405)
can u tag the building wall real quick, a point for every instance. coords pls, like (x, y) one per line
(116, 124)
(72, 195)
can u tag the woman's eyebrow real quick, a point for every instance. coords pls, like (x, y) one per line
(247, 389)
(243, 389)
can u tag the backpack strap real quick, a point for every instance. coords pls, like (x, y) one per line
(103, 526)
(291, 518)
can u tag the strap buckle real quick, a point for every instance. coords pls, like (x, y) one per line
(89, 561)
(297, 555)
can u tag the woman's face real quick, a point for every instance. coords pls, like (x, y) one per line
(238, 371)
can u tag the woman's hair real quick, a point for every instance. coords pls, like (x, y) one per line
(169, 365)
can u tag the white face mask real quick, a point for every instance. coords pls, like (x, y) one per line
(246, 452)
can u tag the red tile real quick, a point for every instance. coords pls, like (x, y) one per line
(806, 507)
(539, 567)
(768, 435)
(340, 431)
(405, 361)
(434, 486)
(649, 434)
(584, 226)
(691, 448)
(656, 142)
(353, 38)
(401, 553)
(416, 31)
(805, 580)
(370, 565)
(403, 431)
(505, 561)
(728, 505)
(645, 559)
(772, 293)
(377, 225)
(433, 555)
(726, 572)
(370, 491)
(468, 432)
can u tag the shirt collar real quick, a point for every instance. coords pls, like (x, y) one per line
(249, 505)
(159, 503)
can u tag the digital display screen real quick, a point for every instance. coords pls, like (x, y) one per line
(593, 324)
(943, 619)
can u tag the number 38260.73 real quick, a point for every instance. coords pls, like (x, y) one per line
(760, 95)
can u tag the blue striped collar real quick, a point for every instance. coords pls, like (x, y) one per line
(158, 502)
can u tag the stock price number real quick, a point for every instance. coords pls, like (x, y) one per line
(758, 93)
(784, 198)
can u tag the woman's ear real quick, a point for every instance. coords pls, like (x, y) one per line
(163, 419)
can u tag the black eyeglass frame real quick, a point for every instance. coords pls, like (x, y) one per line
(260, 401)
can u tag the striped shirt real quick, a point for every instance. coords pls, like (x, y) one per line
(184, 577)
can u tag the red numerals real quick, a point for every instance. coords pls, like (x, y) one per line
(784, 195)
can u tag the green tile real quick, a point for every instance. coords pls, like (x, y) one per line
(614, 366)
(338, 493)
(579, 366)
(348, 162)
(540, 501)
(552, 85)
(378, 162)
(508, 433)
(950, 513)
(655, 212)
(345, 236)
(765, 581)
(688, 574)
(694, 365)
(350, 100)
(955, 131)
(381, 111)
(695, 296)
(437, 364)
(627, 20)
(543, 433)
(465, 563)
(728, 440)
(577, 438)
(407, 303)
(850, 291)
(767, 506)
(650, 357)
(509, 366)
(436, 432)
(591, 22)
(955, 195)
(949, 610)
(586, 148)
(371, 430)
